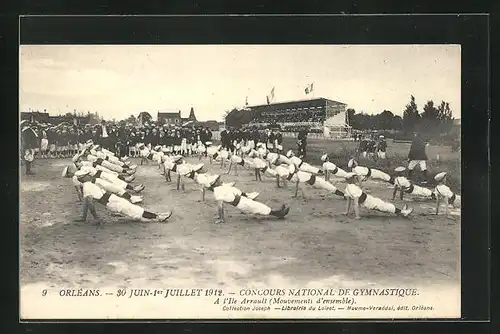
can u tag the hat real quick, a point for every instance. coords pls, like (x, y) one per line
(324, 157)
(289, 154)
(157, 147)
(65, 172)
(208, 143)
(352, 163)
(177, 158)
(381, 136)
(400, 169)
(440, 176)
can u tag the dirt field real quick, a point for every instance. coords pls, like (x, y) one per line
(315, 242)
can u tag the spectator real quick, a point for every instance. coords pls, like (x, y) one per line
(417, 156)
(381, 147)
(302, 143)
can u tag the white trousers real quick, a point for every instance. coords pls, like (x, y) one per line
(379, 175)
(120, 205)
(112, 166)
(114, 180)
(44, 144)
(325, 185)
(374, 203)
(305, 167)
(413, 163)
(421, 191)
(253, 207)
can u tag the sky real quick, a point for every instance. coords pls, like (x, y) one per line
(120, 80)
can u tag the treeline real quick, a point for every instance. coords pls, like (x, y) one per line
(239, 117)
(432, 121)
(386, 120)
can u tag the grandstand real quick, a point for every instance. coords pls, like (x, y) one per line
(320, 115)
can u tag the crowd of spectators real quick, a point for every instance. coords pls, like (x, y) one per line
(317, 116)
(63, 140)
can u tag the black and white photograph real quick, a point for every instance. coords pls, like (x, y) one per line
(240, 181)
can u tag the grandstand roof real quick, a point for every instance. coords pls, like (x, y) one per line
(298, 101)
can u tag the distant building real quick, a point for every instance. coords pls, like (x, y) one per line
(175, 118)
(169, 118)
(327, 115)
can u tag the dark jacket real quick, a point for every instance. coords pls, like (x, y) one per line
(417, 149)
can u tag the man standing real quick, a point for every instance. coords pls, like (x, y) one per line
(381, 147)
(278, 138)
(103, 135)
(417, 156)
(29, 141)
(363, 146)
(224, 138)
(302, 143)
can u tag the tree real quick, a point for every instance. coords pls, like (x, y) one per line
(131, 119)
(239, 117)
(397, 123)
(350, 116)
(145, 117)
(411, 116)
(429, 121)
(444, 115)
(383, 121)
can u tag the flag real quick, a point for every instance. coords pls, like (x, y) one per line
(267, 98)
(246, 101)
(272, 94)
(307, 90)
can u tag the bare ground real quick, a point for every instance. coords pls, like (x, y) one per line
(315, 242)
